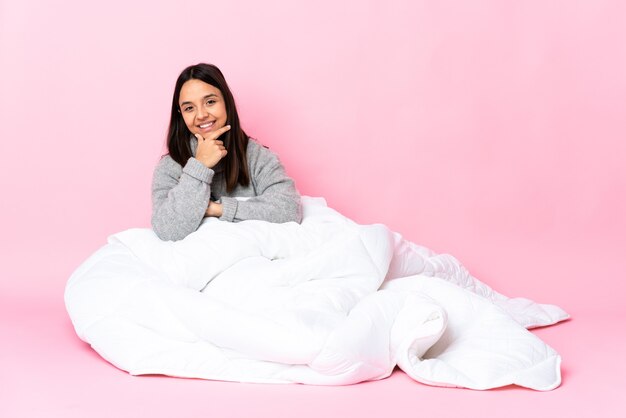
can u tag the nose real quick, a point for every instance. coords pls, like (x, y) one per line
(202, 113)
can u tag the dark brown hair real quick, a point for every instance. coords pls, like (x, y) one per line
(235, 140)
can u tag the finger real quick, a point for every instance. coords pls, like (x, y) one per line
(199, 137)
(221, 131)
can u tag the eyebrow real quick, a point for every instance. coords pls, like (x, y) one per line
(204, 98)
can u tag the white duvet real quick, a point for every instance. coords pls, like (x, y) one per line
(327, 302)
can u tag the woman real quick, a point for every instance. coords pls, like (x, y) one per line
(211, 161)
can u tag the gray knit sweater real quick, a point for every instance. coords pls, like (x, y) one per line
(180, 195)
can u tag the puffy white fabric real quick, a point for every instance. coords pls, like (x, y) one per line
(327, 302)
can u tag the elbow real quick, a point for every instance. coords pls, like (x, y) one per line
(165, 232)
(292, 211)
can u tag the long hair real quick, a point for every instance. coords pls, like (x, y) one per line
(235, 140)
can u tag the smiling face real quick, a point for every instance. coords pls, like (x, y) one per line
(202, 106)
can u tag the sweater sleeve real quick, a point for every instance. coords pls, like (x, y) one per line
(180, 197)
(277, 199)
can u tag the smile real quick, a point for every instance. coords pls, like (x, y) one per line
(206, 125)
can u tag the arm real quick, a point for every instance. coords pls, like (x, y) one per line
(277, 199)
(180, 197)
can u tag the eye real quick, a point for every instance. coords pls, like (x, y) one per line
(187, 109)
(210, 102)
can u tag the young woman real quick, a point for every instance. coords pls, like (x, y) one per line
(211, 161)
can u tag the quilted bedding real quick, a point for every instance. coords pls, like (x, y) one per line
(327, 302)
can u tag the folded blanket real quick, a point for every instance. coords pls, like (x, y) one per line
(326, 302)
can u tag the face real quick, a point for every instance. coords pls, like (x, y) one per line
(202, 107)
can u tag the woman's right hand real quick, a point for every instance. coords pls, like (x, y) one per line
(210, 149)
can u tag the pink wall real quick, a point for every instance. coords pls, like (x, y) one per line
(491, 130)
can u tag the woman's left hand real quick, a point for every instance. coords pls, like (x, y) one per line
(214, 209)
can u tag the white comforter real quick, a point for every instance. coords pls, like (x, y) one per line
(327, 302)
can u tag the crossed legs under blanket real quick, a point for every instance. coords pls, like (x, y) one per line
(325, 302)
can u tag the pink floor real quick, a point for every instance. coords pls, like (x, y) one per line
(48, 372)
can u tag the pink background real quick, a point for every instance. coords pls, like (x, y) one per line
(492, 130)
